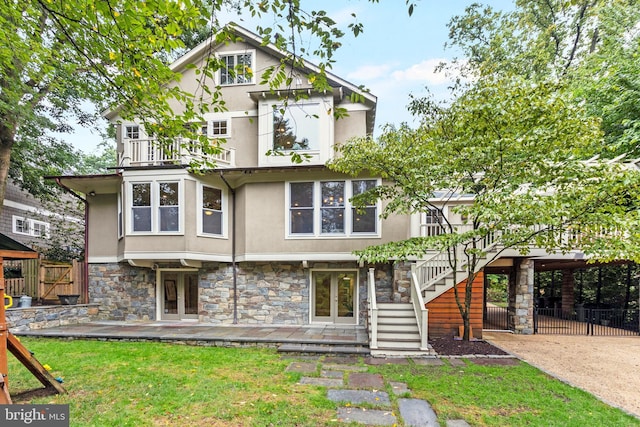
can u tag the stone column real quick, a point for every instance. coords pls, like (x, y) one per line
(521, 298)
(568, 284)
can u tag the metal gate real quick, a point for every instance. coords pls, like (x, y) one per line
(586, 321)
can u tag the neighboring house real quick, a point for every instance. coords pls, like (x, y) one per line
(260, 240)
(42, 225)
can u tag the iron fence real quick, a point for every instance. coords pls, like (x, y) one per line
(496, 318)
(586, 321)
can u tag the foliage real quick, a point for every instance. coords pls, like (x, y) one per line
(145, 384)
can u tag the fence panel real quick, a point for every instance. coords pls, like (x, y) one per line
(496, 318)
(601, 322)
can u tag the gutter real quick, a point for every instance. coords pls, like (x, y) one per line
(85, 273)
(233, 248)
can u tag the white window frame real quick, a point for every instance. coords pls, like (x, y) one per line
(121, 212)
(317, 209)
(128, 131)
(235, 54)
(225, 212)
(31, 226)
(155, 207)
(211, 127)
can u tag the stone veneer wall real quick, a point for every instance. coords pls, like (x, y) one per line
(521, 298)
(270, 293)
(123, 292)
(49, 316)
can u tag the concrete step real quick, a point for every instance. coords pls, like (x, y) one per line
(401, 353)
(322, 349)
(398, 345)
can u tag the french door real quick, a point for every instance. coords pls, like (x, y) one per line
(334, 297)
(179, 292)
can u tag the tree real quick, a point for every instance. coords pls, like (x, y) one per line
(518, 149)
(59, 53)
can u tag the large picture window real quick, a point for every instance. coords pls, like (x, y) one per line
(323, 209)
(211, 211)
(296, 126)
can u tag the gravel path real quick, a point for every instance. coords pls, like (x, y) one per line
(607, 367)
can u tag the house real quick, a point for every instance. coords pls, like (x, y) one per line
(259, 240)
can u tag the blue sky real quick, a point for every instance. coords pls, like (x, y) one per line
(393, 57)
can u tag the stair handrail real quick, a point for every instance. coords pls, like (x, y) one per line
(420, 309)
(373, 310)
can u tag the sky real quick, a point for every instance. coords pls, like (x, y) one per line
(393, 57)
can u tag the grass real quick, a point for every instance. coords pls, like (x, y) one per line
(155, 384)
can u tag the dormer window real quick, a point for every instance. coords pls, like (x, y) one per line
(237, 68)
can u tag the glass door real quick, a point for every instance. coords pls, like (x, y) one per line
(334, 297)
(180, 295)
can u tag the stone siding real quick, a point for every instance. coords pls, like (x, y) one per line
(269, 293)
(123, 292)
(49, 316)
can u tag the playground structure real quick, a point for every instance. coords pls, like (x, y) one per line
(10, 249)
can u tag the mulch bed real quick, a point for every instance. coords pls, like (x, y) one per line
(448, 346)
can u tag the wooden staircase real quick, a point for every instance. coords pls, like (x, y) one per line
(398, 332)
(402, 329)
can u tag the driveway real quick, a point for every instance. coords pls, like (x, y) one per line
(607, 367)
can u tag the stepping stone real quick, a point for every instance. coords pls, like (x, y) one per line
(322, 382)
(454, 361)
(302, 367)
(429, 361)
(370, 417)
(417, 413)
(399, 388)
(351, 368)
(341, 360)
(332, 374)
(356, 397)
(361, 380)
(457, 423)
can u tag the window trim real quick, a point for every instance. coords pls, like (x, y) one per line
(30, 226)
(317, 209)
(224, 210)
(210, 128)
(155, 207)
(235, 54)
(125, 131)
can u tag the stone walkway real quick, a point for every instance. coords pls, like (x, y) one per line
(361, 396)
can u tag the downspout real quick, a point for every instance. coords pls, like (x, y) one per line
(233, 248)
(85, 273)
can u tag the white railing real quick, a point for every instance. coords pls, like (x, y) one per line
(373, 310)
(147, 152)
(420, 309)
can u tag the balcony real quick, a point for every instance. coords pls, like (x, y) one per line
(147, 152)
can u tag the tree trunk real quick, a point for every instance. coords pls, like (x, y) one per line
(7, 139)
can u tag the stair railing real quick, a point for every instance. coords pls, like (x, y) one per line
(373, 310)
(420, 309)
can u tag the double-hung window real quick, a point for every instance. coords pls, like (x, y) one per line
(236, 68)
(212, 211)
(324, 208)
(155, 207)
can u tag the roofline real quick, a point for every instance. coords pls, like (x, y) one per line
(252, 37)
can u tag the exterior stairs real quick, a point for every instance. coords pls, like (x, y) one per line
(397, 332)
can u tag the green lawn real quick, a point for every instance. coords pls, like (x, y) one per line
(154, 384)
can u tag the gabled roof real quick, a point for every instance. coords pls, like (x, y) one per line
(338, 83)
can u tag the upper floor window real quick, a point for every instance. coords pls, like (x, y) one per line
(324, 209)
(132, 132)
(30, 227)
(237, 68)
(211, 210)
(155, 207)
(296, 126)
(220, 128)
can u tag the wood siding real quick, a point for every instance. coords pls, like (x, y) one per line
(444, 315)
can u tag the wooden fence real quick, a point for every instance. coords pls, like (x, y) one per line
(44, 280)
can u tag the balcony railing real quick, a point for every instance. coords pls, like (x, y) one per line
(148, 152)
